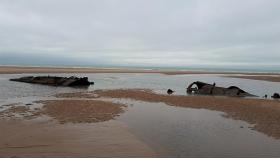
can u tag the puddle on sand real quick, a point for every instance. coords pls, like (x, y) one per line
(195, 133)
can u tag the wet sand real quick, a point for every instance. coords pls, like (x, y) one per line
(68, 128)
(264, 115)
(66, 111)
(74, 127)
(81, 111)
(29, 139)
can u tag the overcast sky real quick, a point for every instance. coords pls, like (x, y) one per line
(141, 32)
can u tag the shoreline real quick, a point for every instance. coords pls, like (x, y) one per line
(272, 77)
(262, 114)
(37, 69)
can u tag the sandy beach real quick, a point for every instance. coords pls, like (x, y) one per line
(72, 124)
(273, 77)
(70, 130)
(49, 139)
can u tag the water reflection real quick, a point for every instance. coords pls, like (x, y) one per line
(182, 132)
(158, 82)
(196, 133)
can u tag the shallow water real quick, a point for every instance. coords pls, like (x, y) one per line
(172, 131)
(158, 82)
(196, 133)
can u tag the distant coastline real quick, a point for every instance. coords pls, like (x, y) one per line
(139, 69)
(273, 77)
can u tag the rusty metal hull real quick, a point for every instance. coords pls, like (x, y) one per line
(55, 81)
(211, 89)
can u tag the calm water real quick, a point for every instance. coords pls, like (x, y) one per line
(172, 131)
(158, 82)
(196, 133)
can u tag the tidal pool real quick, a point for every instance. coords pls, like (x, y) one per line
(178, 132)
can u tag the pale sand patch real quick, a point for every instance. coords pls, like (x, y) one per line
(271, 78)
(88, 94)
(109, 139)
(263, 114)
(21, 69)
(18, 70)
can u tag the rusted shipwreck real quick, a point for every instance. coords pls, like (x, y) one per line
(211, 89)
(55, 81)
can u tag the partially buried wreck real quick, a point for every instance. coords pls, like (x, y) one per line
(211, 89)
(55, 81)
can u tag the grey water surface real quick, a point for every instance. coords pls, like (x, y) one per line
(178, 132)
(157, 82)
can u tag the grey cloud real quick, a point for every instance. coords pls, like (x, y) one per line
(146, 32)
